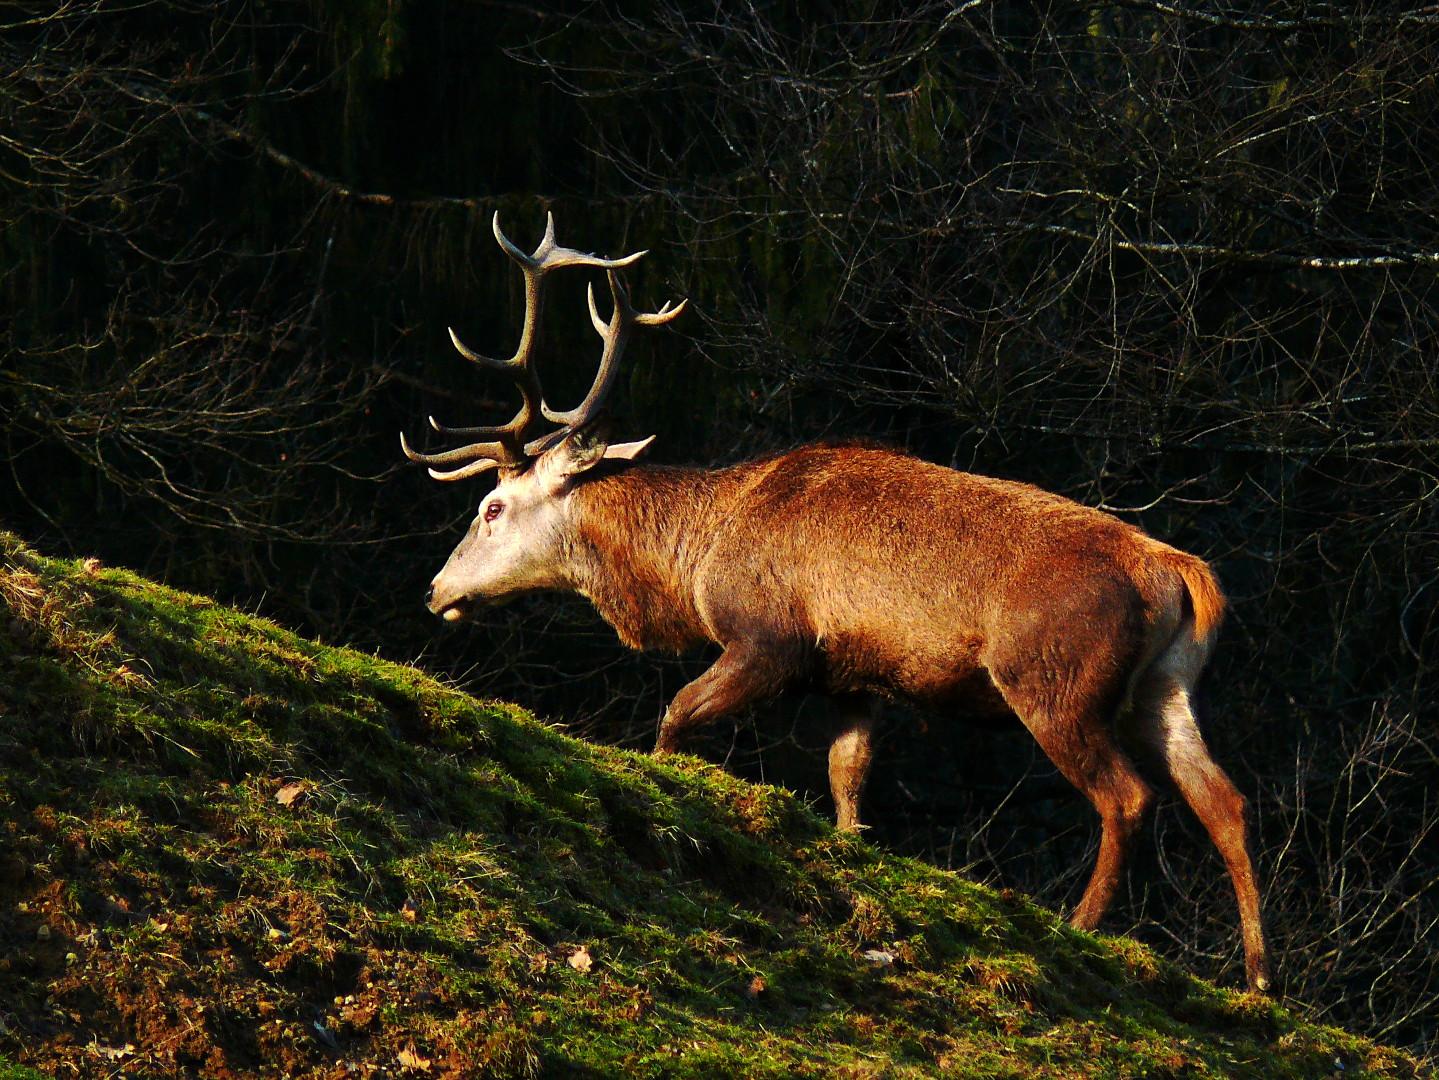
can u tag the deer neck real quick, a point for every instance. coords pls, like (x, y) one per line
(639, 534)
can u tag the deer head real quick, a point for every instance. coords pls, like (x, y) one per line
(516, 542)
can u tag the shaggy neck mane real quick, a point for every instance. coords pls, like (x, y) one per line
(641, 534)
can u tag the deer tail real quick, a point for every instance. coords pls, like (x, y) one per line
(1206, 599)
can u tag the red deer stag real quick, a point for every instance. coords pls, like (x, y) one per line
(857, 571)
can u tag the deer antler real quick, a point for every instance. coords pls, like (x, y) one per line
(505, 444)
(615, 335)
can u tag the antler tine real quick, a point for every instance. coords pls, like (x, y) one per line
(550, 256)
(502, 444)
(472, 469)
(473, 459)
(615, 334)
(514, 432)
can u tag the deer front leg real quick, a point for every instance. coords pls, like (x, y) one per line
(744, 674)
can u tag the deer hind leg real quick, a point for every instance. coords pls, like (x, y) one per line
(850, 754)
(1108, 780)
(1072, 726)
(744, 674)
(1164, 725)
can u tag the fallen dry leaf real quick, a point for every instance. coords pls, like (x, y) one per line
(112, 1053)
(882, 957)
(581, 960)
(754, 988)
(288, 794)
(409, 1059)
(409, 910)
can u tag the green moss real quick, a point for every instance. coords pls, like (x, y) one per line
(10, 1071)
(334, 861)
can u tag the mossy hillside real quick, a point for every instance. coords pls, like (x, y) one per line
(10, 1071)
(229, 851)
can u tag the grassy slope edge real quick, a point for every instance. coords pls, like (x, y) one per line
(229, 851)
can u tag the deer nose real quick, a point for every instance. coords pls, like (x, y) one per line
(429, 596)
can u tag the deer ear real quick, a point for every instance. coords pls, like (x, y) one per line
(627, 451)
(578, 452)
(581, 451)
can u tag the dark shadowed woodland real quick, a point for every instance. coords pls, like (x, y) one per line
(1176, 260)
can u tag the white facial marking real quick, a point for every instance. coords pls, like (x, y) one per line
(512, 547)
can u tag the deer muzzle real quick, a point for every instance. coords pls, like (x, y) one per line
(446, 606)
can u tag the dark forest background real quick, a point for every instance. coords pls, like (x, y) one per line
(1177, 260)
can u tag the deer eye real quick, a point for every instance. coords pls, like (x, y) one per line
(494, 510)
